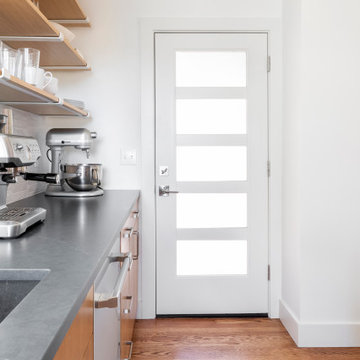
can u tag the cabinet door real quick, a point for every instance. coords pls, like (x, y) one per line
(89, 353)
(79, 339)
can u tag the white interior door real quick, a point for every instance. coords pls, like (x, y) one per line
(211, 147)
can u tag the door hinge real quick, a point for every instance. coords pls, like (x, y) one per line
(268, 168)
(268, 273)
(268, 63)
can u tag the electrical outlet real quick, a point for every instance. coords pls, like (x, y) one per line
(128, 157)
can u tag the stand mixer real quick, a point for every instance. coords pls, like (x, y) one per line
(16, 153)
(79, 180)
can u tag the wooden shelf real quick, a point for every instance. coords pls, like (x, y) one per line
(59, 53)
(23, 25)
(23, 96)
(65, 12)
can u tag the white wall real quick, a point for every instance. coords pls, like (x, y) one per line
(322, 172)
(291, 154)
(112, 88)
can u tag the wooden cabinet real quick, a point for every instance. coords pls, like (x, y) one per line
(129, 295)
(79, 340)
(89, 352)
(78, 343)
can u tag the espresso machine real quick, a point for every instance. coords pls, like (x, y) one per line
(16, 153)
(76, 180)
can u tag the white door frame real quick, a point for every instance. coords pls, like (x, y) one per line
(148, 28)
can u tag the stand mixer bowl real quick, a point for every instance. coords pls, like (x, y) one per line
(82, 177)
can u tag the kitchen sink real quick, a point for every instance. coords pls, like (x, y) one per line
(15, 284)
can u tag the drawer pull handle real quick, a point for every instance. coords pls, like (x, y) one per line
(131, 344)
(136, 233)
(120, 257)
(112, 301)
(128, 233)
(135, 214)
(128, 310)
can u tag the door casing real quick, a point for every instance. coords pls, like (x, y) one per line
(148, 28)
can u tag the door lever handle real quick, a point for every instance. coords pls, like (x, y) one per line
(164, 190)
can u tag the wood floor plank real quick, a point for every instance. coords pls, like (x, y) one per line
(224, 339)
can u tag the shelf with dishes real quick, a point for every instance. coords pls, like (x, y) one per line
(21, 95)
(23, 25)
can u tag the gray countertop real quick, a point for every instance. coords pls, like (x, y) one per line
(72, 243)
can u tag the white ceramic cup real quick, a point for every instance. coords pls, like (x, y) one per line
(43, 78)
(52, 86)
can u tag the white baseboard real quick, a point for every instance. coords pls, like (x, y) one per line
(290, 321)
(319, 334)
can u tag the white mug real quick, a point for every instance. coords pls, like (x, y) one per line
(43, 78)
(52, 86)
(29, 74)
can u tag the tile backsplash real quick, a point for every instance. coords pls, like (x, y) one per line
(29, 125)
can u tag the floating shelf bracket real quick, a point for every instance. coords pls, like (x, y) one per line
(72, 21)
(60, 104)
(10, 103)
(60, 67)
(59, 38)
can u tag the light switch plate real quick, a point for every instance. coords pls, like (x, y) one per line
(128, 157)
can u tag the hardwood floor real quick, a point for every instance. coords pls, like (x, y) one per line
(225, 339)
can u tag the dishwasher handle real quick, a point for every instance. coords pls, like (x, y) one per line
(112, 301)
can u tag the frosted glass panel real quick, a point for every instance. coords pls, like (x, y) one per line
(211, 210)
(211, 116)
(211, 68)
(211, 163)
(213, 257)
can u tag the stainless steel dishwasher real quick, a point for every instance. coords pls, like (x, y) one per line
(108, 286)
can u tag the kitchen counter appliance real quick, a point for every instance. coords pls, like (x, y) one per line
(76, 180)
(16, 153)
